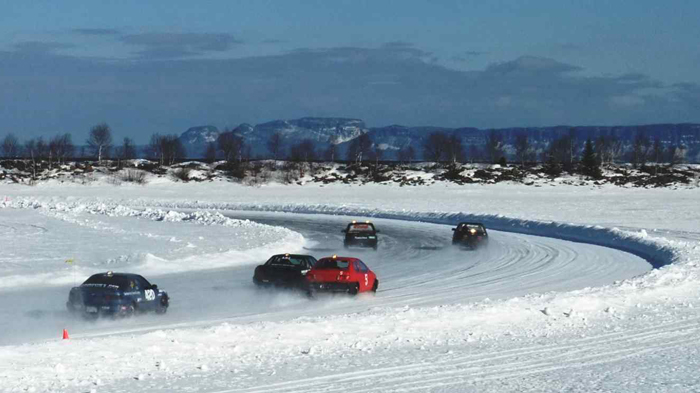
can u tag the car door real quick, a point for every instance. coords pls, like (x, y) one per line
(361, 275)
(368, 275)
(148, 294)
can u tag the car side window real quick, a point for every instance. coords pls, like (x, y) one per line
(361, 267)
(143, 283)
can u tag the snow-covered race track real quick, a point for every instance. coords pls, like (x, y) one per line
(223, 334)
(415, 262)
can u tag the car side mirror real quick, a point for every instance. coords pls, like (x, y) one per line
(454, 229)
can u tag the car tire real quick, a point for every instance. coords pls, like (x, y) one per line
(354, 290)
(162, 307)
(375, 286)
(130, 311)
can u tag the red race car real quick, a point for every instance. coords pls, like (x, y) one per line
(341, 274)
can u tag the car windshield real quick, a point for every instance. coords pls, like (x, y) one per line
(357, 228)
(287, 260)
(332, 264)
(104, 280)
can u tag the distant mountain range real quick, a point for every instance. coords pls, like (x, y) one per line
(322, 131)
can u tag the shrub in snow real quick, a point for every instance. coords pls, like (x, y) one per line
(133, 176)
(182, 174)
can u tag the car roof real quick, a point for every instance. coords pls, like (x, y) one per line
(339, 258)
(113, 274)
(470, 223)
(291, 255)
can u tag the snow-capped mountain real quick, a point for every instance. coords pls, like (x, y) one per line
(199, 135)
(318, 129)
(341, 131)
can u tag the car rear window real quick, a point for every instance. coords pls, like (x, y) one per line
(332, 264)
(361, 228)
(288, 260)
(477, 228)
(103, 280)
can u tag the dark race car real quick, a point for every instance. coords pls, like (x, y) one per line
(360, 234)
(284, 270)
(470, 234)
(341, 274)
(116, 294)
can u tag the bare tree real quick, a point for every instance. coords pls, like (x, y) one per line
(274, 145)
(42, 148)
(30, 152)
(172, 148)
(523, 150)
(128, 150)
(406, 154)
(494, 146)
(454, 149)
(434, 147)
(333, 143)
(301, 153)
(155, 148)
(10, 146)
(100, 141)
(676, 154)
(210, 153)
(657, 154)
(358, 147)
(167, 149)
(231, 145)
(640, 149)
(61, 147)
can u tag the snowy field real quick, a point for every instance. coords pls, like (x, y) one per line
(564, 298)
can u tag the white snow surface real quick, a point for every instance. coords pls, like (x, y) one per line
(425, 330)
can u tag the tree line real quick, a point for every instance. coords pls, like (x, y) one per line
(563, 153)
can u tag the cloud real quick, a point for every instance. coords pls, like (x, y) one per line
(388, 84)
(174, 45)
(40, 47)
(531, 65)
(97, 32)
(467, 55)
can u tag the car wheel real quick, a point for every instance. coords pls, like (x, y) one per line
(129, 311)
(162, 307)
(375, 286)
(353, 290)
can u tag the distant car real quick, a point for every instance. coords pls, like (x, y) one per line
(360, 234)
(284, 270)
(117, 294)
(470, 234)
(341, 274)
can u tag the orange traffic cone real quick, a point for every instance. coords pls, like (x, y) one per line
(65, 334)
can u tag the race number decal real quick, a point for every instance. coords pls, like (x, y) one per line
(366, 280)
(150, 295)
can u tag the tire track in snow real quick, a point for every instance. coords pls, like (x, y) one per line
(432, 373)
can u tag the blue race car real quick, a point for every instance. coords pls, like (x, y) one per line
(116, 294)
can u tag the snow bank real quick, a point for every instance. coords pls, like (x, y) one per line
(248, 242)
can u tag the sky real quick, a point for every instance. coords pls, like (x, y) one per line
(166, 66)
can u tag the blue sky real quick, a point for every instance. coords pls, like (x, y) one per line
(167, 65)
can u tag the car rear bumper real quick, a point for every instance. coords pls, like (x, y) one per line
(330, 286)
(280, 283)
(97, 309)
